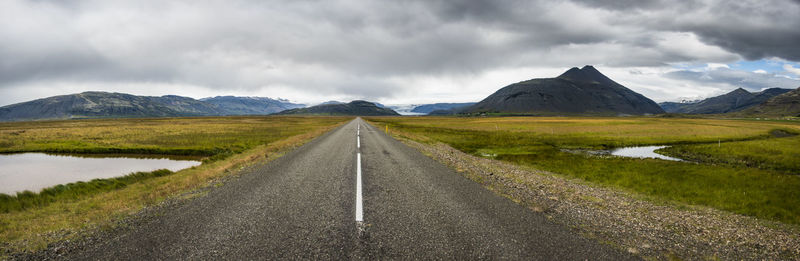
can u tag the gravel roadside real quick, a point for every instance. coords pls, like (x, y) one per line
(625, 220)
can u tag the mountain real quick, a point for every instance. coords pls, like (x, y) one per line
(577, 91)
(122, 105)
(735, 100)
(183, 106)
(103, 105)
(359, 108)
(786, 104)
(427, 108)
(232, 105)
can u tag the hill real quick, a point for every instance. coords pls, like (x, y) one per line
(428, 108)
(733, 101)
(787, 104)
(355, 108)
(583, 91)
(232, 105)
(122, 105)
(105, 105)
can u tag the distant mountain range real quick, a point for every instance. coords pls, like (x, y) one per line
(114, 105)
(232, 105)
(359, 108)
(428, 108)
(583, 91)
(733, 101)
(786, 104)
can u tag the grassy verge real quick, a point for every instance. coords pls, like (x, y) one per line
(72, 191)
(34, 227)
(538, 143)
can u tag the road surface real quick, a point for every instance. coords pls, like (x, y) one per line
(304, 205)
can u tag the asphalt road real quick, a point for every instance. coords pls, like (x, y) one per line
(303, 206)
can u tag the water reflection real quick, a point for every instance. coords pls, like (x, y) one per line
(642, 152)
(35, 171)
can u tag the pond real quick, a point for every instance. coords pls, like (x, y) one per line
(35, 171)
(642, 152)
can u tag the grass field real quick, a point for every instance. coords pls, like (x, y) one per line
(539, 142)
(175, 136)
(28, 221)
(779, 154)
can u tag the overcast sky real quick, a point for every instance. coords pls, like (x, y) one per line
(394, 52)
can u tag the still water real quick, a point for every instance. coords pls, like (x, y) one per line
(35, 171)
(642, 152)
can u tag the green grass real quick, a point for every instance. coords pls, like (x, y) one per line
(72, 191)
(539, 142)
(778, 154)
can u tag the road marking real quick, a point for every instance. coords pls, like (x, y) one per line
(359, 203)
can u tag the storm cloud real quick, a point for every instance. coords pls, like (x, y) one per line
(751, 81)
(389, 51)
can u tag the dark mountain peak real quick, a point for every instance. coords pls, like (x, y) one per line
(573, 73)
(596, 75)
(586, 74)
(362, 103)
(576, 91)
(739, 91)
(591, 71)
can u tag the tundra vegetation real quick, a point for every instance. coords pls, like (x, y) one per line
(743, 166)
(30, 220)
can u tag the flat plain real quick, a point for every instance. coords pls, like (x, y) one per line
(745, 167)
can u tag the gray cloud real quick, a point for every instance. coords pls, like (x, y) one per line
(754, 29)
(735, 78)
(364, 48)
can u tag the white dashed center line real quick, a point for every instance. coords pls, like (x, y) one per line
(359, 204)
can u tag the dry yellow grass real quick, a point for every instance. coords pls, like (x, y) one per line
(609, 131)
